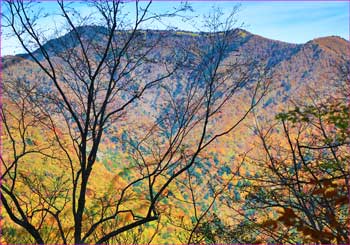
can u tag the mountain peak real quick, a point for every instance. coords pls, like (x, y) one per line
(333, 43)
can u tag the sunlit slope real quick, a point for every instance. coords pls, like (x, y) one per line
(295, 71)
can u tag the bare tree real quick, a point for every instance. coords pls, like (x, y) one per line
(203, 210)
(91, 83)
(306, 176)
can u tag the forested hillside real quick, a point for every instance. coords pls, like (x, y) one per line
(115, 136)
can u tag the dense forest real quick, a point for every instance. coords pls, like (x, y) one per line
(113, 133)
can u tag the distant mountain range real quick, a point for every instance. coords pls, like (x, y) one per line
(293, 67)
(278, 55)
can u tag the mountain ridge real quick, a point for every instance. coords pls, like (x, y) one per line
(294, 72)
(91, 32)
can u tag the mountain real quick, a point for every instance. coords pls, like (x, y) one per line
(294, 69)
(250, 45)
(299, 74)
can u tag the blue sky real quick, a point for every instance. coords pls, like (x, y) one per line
(292, 21)
(297, 22)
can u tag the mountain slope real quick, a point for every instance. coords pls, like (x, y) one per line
(295, 69)
(297, 73)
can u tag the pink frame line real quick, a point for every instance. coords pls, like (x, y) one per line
(1, 88)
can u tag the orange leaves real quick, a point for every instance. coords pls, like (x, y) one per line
(2, 240)
(288, 217)
(128, 217)
(289, 212)
(143, 207)
(180, 213)
(90, 192)
(165, 192)
(328, 190)
(118, 182)
(58, 132)
(342, 200)
(272, 224)
(315, 235)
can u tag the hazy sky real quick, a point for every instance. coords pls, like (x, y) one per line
(292, 21)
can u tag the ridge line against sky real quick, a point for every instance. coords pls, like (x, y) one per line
(288, 21)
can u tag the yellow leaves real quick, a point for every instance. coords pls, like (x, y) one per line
(118, 182)
(142, 207)
(226, 177)
(221, 151)
(242, 171)
(242, 34)
(198, 171)
(3, 241)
